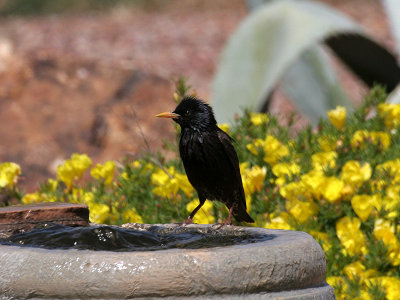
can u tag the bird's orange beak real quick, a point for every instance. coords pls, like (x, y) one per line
(168, 115)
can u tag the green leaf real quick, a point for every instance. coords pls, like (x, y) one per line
(392, 9)
(313, 86)
(271, 44)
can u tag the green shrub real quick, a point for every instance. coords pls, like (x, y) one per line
(340, 182)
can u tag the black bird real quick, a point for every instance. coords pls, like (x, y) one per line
(209, 158)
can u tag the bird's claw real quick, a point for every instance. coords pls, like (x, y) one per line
(223, 224)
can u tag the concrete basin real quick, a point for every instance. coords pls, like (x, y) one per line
(288, 265)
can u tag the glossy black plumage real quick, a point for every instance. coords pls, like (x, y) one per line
(209, 158)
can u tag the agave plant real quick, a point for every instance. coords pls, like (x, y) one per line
(283, 42)
(392, 8)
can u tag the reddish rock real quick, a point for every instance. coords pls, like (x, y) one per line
(78, 106)
(26, 217)
(67, 83)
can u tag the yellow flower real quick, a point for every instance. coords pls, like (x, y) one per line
(322, 238)
(285, 171)
(66, 173)
(148, 167)
(331, 188)
(258, 119)
(362, 205)
(327, 143)
(136, 164)
(124, 175)
(87, 197)
(301, 210)
(224, 127)
(204, 215)
(380, 138)
(388, 204)
(384, 231)
(336, 282)
(391, 168)
(355, 269)
(390, 113)
(324, 160)
(257, 146)
(168, 187)
(294, 190)
(273, 149)
(38, 197)
(350, 236)
(377, 202)
(248, 202)
(73, 168)
(280, 221)
(131, 216)
(253, 178)
(391, 201)
(391, 285)
(354, 174)
(184, 184)
(31, 198)
(53, 184)
(361, 137)
(79, 195)
(165, 185)
(98, 212)
(9, 172)
(104, 172)
(337, 117)
(364, 294)
(358, 138)
(80, 163)
(313, 182)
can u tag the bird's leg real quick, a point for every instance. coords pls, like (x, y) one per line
(228, 221)
(189, 220)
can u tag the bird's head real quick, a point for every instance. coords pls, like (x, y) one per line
(192, 113)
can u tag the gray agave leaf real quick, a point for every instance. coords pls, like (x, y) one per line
(313, 86)
(271, 45)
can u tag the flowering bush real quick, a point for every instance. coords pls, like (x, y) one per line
(340, 182)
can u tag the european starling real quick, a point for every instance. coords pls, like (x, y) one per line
(209, 158)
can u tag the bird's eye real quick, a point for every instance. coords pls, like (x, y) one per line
(187, 112)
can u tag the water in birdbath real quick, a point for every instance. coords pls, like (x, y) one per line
(112, 238)
(253, 262)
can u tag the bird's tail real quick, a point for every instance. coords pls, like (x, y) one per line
(241, 215)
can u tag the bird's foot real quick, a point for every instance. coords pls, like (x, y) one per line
(187, 222)
(228, 222)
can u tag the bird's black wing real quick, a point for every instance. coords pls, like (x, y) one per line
(212, 167)
(239, 207)
(207, 163)
(230, 151)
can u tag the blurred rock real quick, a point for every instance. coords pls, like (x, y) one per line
(70, 83)
(6, 54)
(66, 106)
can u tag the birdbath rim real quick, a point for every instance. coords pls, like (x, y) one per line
(291, 262)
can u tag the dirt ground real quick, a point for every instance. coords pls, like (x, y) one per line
(82, 82)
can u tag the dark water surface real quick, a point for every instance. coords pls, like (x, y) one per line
(111, 238)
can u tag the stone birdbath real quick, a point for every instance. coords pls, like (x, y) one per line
(165, 261)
